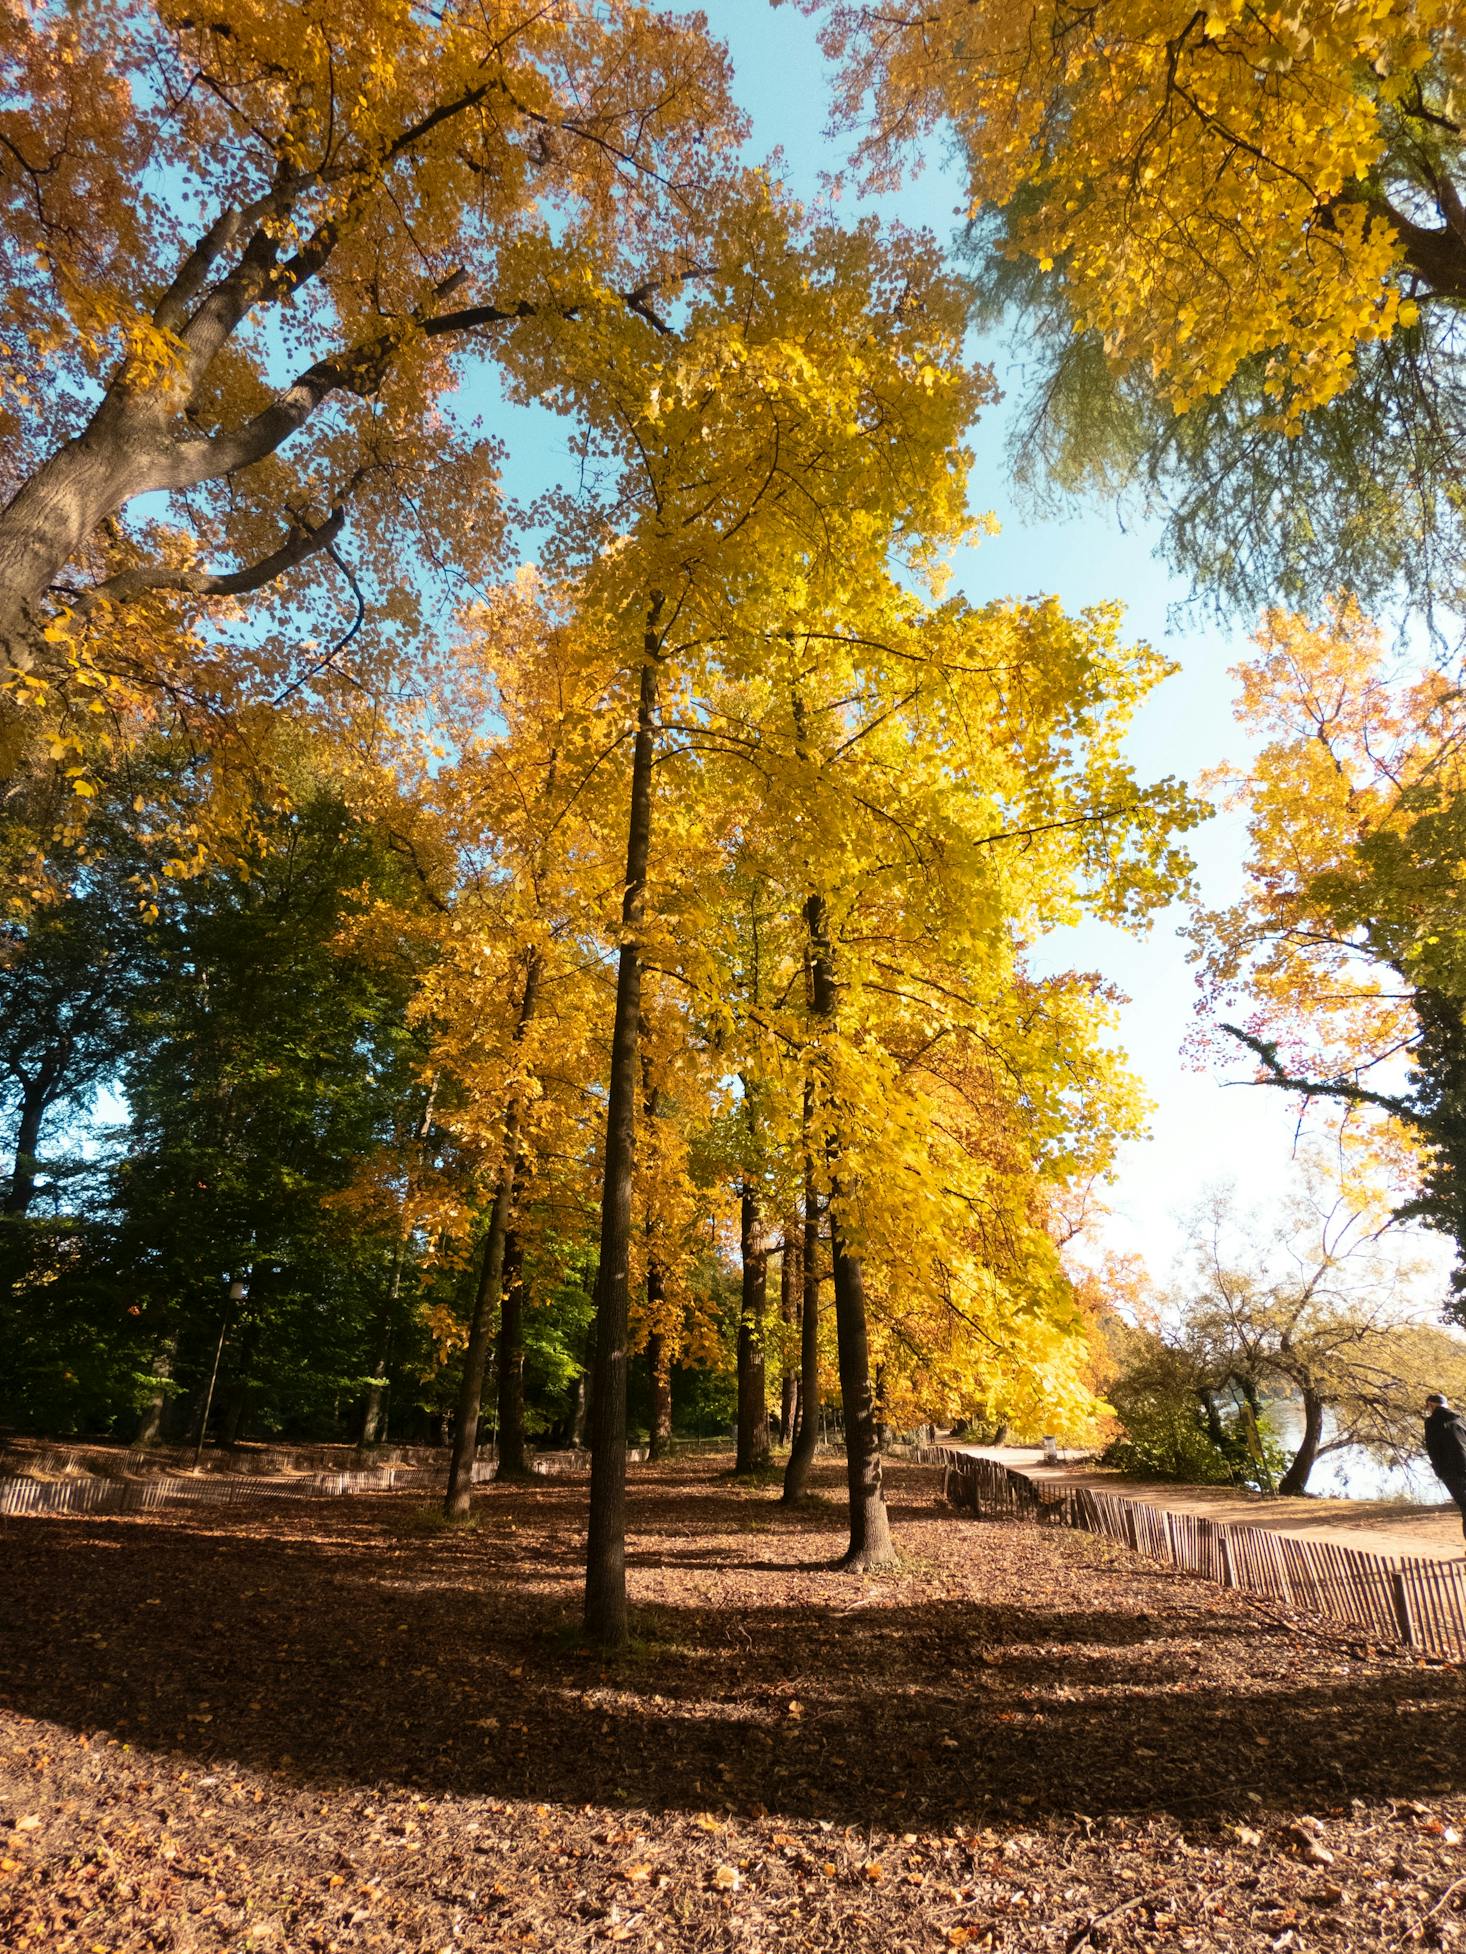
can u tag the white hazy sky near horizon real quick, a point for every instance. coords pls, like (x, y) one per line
(1204, 1130)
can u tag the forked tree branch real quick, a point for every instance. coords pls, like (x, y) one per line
(1278, 1075)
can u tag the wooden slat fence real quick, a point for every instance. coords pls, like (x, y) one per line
(1420, 1603)
(96, 1494)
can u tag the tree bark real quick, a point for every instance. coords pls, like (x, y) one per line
(458, 1502)
(376, 1392)
(51, 516)
(374, 1410)
(459, 1499)
(1295, 1480)
(870, 1530)
(605, 1561)
(150, 1424)
(788, 1271)
(807, 1432)
(22, 1190)
(241, 1384)
(659, 1364)
(753, 1410)
(579, 1411)
(658, 1355)
(513, 1460)
(1215, 1429)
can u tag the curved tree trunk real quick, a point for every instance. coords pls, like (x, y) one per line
(459, 1499)
(605, 1555)
(807, 1432)
(753, 1410)
(51, 515)
(1295, 1479)
(870, 1529)
(513, 1459)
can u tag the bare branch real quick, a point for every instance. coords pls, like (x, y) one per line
(303, 541)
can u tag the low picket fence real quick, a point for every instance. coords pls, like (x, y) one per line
(98, 1494)
(1419, 1603)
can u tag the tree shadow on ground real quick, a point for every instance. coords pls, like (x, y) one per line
(450, 1666)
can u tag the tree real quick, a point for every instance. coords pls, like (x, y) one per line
(805, 415)
(1315, 1308)
(246, 255)
(267, 1061)
(921, 789)
(1363, 494)
(67, 971)
(507, 994)
(267, 1066)
(1347, 942)
(1235, 241)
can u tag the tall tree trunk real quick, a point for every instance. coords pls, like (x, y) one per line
(788, 1310)
(150, 1424)
(374, 1409)
(236, 1402)
(605, 1556)
(513, 1461)
(753, 1410)
(807, 1432)
(375, 1402)
(870, 1530)
(579, 1410)
(658, 1355)
(376, 1392)
(659, 1365)
(1295, 1479)
(22, 1190)
(459, 1500)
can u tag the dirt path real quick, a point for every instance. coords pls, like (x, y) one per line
(1378, 1526)
(297, 1730)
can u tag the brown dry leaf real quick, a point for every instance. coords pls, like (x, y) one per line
(727, 1879)
(641, 1870)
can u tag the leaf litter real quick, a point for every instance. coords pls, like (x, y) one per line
(287, 1730)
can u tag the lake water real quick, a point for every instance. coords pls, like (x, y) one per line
(1352, 1474)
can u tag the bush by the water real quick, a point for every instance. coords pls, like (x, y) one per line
(1169, 1429)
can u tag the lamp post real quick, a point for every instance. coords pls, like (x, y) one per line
(238, 1290)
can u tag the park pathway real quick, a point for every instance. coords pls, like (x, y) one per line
(1378, 1526)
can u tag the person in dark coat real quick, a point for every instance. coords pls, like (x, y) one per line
(1445, 1445)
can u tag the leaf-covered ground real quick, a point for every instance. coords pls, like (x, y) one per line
(299, 1727)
